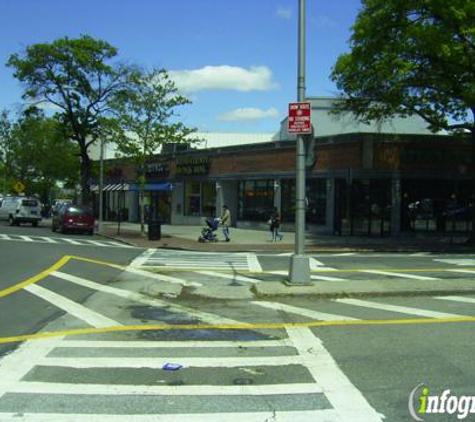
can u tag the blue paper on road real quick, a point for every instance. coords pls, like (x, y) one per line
(172, 367)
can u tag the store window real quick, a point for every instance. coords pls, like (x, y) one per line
(200, 198)
(256, 200)
(316, 201)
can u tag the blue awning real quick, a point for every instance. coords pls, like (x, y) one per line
(164, 187)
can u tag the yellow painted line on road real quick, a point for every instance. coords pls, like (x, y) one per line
(259, 326)
(38, 277)
(55, 267)
(95, 261)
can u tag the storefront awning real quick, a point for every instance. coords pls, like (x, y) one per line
(112, 187)
(164, 187)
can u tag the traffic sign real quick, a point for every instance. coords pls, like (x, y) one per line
(299, 119)
(19, 187)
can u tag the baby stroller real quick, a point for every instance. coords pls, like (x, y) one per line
(207, 233)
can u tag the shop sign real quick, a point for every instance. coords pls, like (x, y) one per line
(299, 119)
(192, 166)
(157, 170)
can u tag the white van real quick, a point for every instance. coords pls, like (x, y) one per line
(22, 209)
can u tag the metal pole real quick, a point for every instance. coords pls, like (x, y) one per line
(101, 186)
(299, 263)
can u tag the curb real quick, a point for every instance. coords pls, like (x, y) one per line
(363, 293)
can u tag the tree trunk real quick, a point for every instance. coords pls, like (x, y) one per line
(85, 178)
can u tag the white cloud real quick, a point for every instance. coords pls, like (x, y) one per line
(248, 114)
(284, 12)
(323, 22)
(224, 78)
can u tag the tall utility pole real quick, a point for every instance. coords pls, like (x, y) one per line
(101, 186)
(299, 272)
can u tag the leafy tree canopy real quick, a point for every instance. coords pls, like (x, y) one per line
(75, 76)
(411, 57)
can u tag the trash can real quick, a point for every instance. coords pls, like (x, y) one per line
(154, 229)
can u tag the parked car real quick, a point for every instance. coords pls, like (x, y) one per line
(70, 217)
(21, 209)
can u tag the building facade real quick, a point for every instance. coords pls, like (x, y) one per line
(362, 183)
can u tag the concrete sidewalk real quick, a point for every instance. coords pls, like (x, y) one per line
(243, 239)
(246, 240)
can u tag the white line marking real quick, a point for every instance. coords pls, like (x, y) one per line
(328, 415)
(79, 311)
(347, 401)
(73, 242)
(15, 366)
(137, 297)
(142, 258)
(313, 276)
(392, 274)
(94, 242)
(462, 271)
(394, 308)
(165, 344)
(122, 245)
(5, 237)
(26, 238)
(464, 261)
(253, 263)
(162, 277)
(302, 311)
(230, 276)
(457, 299)
(135, 362)
(162, 390)
(48, 239)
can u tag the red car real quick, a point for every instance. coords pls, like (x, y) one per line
(69, 217)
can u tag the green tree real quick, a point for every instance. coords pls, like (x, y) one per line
(41, 154)
(147, 120)
(5, 136)
(412, 57)
(76, 77)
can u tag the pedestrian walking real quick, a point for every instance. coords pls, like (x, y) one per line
(226, 222)
(275, 222)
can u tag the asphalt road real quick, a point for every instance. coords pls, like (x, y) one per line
(345, 360)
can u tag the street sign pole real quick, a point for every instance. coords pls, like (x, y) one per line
(299, 272)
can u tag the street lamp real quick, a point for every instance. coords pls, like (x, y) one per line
(299, 272)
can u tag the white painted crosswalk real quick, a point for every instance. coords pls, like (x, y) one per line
(198, 261)
(63, 241)
(33, 389)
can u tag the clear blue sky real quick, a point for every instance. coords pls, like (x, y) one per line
(235, 59)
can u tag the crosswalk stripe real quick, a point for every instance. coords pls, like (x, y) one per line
(328, 415)
(5, 237)
(48, 239)
(94, 242)
(346, 399)
(395, 308)
(457, 299)
(73, 242)
(400, 275)
(32, 387)
(253, 263)
(138, 297)
(79, 311)
(26, 238)
(162, 277)
(168, 344)
(302, 311)
(461, 271)
(154, 363)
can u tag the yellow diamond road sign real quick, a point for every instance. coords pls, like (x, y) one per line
(19, 187)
